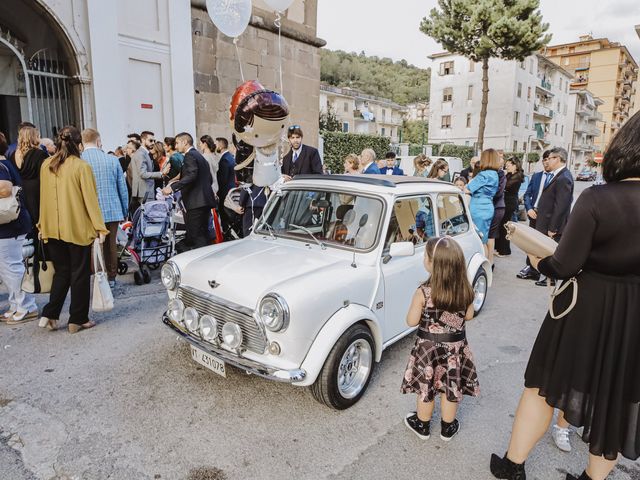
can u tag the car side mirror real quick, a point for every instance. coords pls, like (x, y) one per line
(402, 249)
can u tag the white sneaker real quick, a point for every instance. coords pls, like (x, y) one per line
(561, 438)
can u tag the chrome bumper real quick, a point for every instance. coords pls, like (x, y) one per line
(249, 366)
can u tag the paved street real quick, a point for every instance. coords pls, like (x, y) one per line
(125, 401)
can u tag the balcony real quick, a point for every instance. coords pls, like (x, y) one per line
(597, 116)
(541, 131)
(545, 86)
(361, 116)
(542, 111)
(584, 110)
(593, 131)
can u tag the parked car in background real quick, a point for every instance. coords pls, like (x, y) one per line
(586, 175)
(322, 285)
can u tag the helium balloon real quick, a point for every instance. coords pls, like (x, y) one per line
(258, 116)
(230, 16)
(279, 5)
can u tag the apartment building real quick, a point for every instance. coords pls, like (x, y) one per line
(417, 111)
(607, 70)
(586, 128)
(528, 103)
(362, 113)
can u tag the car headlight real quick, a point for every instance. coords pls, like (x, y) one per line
(176, 310)
(274, 312)
(191, 318)
(209, 329)
(170, 276)
(232, 335)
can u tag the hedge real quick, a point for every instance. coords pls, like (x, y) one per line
(449, 150)
(338, 145)
(532, 157)
(415, 149)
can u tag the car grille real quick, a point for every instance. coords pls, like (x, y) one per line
(253, 337)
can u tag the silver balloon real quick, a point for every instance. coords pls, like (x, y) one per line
(279, 5)
(230, 16)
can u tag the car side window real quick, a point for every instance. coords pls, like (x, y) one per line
(411, 221)
(452, 214)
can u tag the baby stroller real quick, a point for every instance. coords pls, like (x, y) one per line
(149, 239)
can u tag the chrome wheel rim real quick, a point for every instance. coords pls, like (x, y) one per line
(354, 368)
(480, 292)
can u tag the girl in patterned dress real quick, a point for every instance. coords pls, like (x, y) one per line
(441, 361)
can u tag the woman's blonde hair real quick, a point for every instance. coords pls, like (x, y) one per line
(490, 160)
(450, 287)
(28, 139)
(353, 160)
(421, 162)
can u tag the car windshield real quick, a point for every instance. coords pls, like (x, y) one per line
(333, 218)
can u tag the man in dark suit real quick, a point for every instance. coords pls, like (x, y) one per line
(197, 194)
(390, 167)
(466, 172)
(301, 159)
(226, 177)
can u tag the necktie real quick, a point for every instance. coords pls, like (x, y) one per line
(295, 157)
(547, 180)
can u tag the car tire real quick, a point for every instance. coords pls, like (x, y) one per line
(480, 286)
(337, 389)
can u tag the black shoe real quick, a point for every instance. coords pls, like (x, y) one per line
(584, 476)
(505, 469)
(449, 430)
(527, 273)
(543, 281)
(417, 426)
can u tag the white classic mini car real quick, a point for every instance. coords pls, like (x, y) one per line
(322, 286)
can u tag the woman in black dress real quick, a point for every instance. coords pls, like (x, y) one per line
(515, 177)
(28, 158)
(498, 212)
(587, 363)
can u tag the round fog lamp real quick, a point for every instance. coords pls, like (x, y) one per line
(274, 348)
(176, 310)
(191, 319)
(209, 328)
(232, 335)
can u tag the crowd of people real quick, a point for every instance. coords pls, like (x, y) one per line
(584, 364)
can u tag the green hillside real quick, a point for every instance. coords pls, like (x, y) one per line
(382, 77)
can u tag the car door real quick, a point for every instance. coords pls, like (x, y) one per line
(412, 219)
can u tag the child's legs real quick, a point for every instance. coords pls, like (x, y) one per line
(561, 422)
(447, 409)
(424, 410)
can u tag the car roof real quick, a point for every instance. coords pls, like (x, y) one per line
(388, 184)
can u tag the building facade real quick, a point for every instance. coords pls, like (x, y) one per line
(607, 70)
(155, 65)
(528, 103)
(362, 113)
(586, 127)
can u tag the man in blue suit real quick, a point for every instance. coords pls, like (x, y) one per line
(531, 198)
(391, 168)
(368, 160)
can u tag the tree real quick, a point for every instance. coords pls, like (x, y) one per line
(484, 29)
(329, 121)
(415, 131)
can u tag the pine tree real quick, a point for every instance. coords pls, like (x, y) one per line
(484, 29)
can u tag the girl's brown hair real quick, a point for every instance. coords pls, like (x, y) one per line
(353, 161)
(28, 139)
(67, 145)
(450, 288)
(490, 160)
(440, 164)
(421, 162)
(157, 152)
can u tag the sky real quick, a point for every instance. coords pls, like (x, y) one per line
(391, 28)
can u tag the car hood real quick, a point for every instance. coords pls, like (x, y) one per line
(244, 270)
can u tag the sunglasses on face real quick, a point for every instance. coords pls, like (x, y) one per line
(294, 127)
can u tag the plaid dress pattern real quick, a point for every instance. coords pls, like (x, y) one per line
(436, 367)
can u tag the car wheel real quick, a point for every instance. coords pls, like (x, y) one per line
(347, 371)
(480, 288)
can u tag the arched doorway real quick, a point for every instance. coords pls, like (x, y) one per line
(37, 70)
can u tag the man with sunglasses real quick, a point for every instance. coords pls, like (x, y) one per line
(301, 159)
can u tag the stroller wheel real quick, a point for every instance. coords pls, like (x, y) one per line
(154, 266)
(146, 276)
(123, 268)
(137, 277)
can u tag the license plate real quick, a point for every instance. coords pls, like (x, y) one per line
(206, 360)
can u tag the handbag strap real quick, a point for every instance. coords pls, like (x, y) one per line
(557, 291)
(98, 259)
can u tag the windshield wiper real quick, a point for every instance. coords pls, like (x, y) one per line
(305, 229)
(270, 229)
